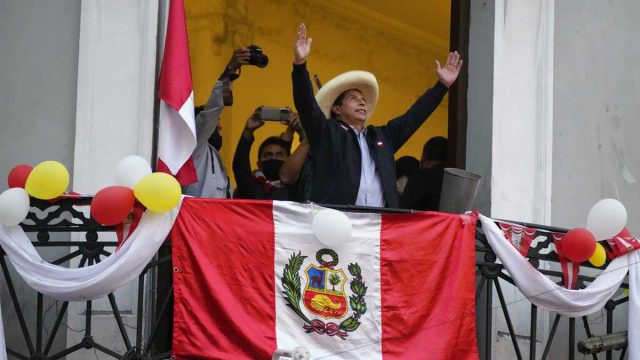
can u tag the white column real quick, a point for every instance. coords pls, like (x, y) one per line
(114, 118)
(116, 78)
(522, 110)
(522, 136)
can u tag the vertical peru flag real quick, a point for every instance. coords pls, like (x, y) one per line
(177, 133)
(250, 277)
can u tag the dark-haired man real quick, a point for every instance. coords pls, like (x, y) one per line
(265, 182)
(353, 162)
(425, 183)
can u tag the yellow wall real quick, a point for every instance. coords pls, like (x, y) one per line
(347, 35)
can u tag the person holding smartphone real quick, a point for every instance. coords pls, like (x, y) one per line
(353, 162)
(264, 183)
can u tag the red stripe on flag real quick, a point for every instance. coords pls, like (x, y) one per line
(175, 88)
(175, 73)
(223, 255)
(427, 271)
(185, 176)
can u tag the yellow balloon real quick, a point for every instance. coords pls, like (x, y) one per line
(599, 256)
(47, 180)
(159, 192)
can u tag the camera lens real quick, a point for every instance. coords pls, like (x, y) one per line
(257, 57)
(261, 60)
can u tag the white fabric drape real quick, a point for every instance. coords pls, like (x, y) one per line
(90, 282)
(543, 292)
(546, 294)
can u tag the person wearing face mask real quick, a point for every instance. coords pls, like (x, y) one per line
(263, 183)
(213, 181)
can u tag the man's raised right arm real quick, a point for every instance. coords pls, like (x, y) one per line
(312, 118)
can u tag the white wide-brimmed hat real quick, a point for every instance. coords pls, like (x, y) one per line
(363, 81)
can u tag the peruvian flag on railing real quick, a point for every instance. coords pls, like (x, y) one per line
(177, 132)
(250, 277)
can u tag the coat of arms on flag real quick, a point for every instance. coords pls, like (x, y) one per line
(324, 294)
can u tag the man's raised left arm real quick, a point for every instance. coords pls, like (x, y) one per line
(401, 128)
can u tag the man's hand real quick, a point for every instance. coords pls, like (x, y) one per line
(253, 122)
(295, 124)
(449, 72)
(240, 57)
(302, 45)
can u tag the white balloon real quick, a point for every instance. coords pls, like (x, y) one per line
(14, 206)
(130, 170)
(606, 218)
(331, 227)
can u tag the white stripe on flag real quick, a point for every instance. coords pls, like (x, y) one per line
(291, 238)
(177, 135)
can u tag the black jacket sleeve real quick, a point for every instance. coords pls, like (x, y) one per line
(312, 119)
(242, 169)
(400, 129)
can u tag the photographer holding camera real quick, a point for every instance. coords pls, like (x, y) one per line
(265, 183)
(213, 181)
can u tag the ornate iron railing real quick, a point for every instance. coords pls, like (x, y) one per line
(154, 298)
(490, 272)
(64, 216)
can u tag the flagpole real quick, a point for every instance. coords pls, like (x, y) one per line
(161, 32)
(155, 272)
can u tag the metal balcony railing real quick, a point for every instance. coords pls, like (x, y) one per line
(154, 295)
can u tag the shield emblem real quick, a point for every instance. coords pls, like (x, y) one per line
(324, 293)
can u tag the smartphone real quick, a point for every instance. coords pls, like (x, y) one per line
(274, 113)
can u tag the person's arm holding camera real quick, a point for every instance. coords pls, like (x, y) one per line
(241, 162)
(290, 170)
(241, 56)
(293, 126)
(312, 118)
(292, 167)
(208, 119)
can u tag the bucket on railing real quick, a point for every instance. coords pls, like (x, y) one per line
(459, 188)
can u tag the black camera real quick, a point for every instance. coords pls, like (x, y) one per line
(257, 57)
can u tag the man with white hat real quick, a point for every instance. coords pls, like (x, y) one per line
(353, 162)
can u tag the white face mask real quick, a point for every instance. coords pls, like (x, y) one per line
(401, 183)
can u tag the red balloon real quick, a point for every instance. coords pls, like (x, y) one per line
(624, 233)
(578, 244)
(112, 205)
(18, 176)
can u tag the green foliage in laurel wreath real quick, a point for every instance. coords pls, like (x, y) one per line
(291, 283)
(354, 270)
(358, 305)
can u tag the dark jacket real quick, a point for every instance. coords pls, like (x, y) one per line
(337, 158)
(423, 189)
